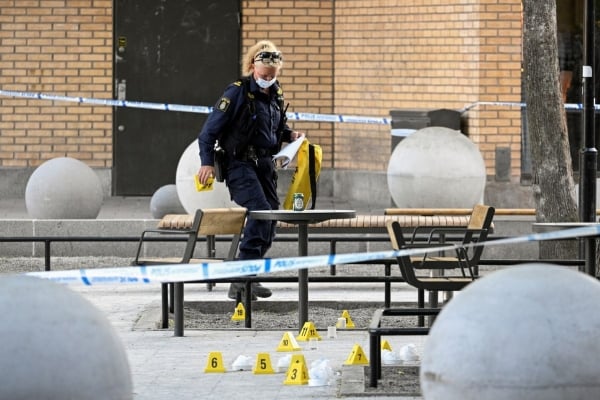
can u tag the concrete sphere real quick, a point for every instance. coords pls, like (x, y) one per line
(527, 333)
(188, 166)
(63, 188)
(165, 201)
(436, 167)
(56, 345)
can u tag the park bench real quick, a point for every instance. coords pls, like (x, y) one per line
(207, 223)
(360, 226)
(477, 230)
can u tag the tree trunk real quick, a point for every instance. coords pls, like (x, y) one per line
(554, 187)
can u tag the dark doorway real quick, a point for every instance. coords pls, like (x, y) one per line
(167, 51)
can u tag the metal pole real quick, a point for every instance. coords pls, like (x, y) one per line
(589, 154)
(302, 275)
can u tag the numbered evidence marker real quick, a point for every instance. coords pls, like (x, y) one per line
(297, 373)
(349, 322)
(288, 343)
(385, 345)
(263, 364)
(308, 332)
(200, 187)
(239, 314)
(214, 362)
(357, 357)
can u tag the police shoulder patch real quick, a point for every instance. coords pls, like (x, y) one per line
(223, 104)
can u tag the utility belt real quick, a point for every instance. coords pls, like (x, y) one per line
(253, 153)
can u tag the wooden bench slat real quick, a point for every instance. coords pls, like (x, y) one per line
(408, 217)
(176, 221)
(378, 222)
(360, 222)
(455, 211)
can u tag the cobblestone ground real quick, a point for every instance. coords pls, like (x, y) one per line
(275, 315)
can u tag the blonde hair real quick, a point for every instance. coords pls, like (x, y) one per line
(248, 60)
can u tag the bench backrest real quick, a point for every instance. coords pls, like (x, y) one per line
(398, 243)
(481, 217)
(477, 231)
(407, 269)
(480, 222)
(222, 221)
(209, 222)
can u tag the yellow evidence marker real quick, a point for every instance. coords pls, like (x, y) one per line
(357, 357)
(214, 362)
(288, 343)
(297, 373)
(239, 314)
(349, 322)
(308, 332)
(263, 364)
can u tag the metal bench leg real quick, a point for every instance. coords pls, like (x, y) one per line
(332, 250)
(248, 304)
(375, 355)
(178, 305)
(164, 309)
(171, 297)
(421, 305)
(388, 287)
(433, 303)
(375, 348)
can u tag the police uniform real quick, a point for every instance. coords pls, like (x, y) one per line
(250, 174)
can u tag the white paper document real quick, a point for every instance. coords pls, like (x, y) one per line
(287, 154)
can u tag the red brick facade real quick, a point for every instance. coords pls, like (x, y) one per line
(341, 57)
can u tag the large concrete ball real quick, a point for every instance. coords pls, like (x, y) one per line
(436, 167)
(56, 345)
(165, 201)
(63, 188)
(527, 333)
(190, 198)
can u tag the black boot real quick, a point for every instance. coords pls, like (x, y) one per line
(260, 291)
(236, 287)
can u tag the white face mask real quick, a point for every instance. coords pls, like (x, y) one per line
(265, 84)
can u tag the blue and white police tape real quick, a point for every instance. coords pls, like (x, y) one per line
(188, 108)
(108, 102)
(207, 271)
(568, 106)
(333, 118)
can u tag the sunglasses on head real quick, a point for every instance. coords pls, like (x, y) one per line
(269, 57)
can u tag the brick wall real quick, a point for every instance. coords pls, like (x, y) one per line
(499, 68)
(426, 54)
(341, 57)
(61, 47)
(303, 31)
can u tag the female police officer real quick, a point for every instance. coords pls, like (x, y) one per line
(249, 122)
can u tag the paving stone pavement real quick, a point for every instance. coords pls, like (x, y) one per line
(164, 366)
